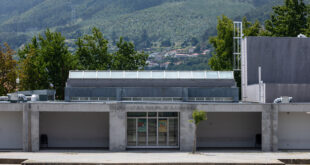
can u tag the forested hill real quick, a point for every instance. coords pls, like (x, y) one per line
(154, 21)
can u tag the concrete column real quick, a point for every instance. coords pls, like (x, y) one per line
(35, 139)
(185, 94)
(118, 127)
(187, 131)
(26, 124)
(269, 128)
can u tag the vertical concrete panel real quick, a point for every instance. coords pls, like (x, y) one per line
(294, 130)
(35, 140)
(117, 130)
(11, 130)
(187, 130)
(230, 129)
(75, 129)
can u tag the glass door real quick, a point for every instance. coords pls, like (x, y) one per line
(152, 129)
(142, 132)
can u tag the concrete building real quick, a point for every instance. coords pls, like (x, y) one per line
(284, 65)
(120, 110)
(118, 126)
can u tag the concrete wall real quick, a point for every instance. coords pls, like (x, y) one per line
(79, 129)
(11, 130)
(251, 93)
(299, 92)
(283, 60)
(294, 130)
(230, 129)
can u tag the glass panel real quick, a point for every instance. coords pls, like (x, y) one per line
(130, 74)
(136, 114)
(199, 75)
(118, 75)
(187, 75)
(144, 75)
(212, 75)
(90, 75)
(228, 75)
(152, 131)
(167, 114)
(173, 132)
(152, 114)
(131, 132)
(103, 74)
(162, 132)
(172, 75)
(142, 132)
(76, 74)
(158, 74)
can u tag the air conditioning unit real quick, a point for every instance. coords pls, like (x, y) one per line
(283, 99)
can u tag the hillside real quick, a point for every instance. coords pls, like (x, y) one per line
(154, 21)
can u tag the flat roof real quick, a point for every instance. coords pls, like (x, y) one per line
(151, 75)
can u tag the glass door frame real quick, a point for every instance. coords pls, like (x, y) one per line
(157, 132)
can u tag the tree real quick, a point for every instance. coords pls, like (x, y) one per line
(222, 59)
(126, 58)
(58, 60)
(92, 51)
(32, 68)
(8, 73)
(198, 117)
(288, 20)
(45, 63)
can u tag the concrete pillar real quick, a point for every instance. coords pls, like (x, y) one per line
(187, 131)
(26, 124)
(185, 94)
(35, 139)
(118, 125)
(269, 128)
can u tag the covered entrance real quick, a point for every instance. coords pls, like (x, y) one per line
(152, 130)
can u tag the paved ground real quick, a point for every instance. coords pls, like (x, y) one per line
(96, 156)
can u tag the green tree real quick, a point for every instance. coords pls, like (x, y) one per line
(222, 59)
(92, 51)
(8, 67)
(127, 58)
(198, 117)
(58, 60)
(46, 62)
(288, 20)
(32, 68)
